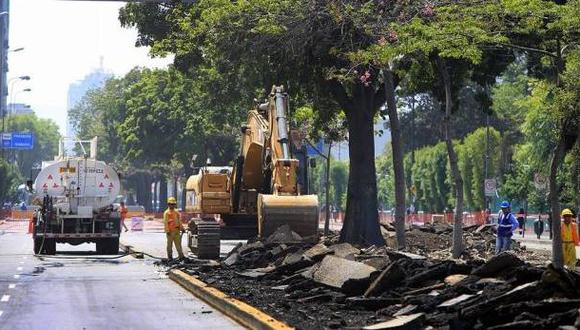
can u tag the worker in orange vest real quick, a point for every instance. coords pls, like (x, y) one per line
(123, 210)
(173, 228)
(569, 239)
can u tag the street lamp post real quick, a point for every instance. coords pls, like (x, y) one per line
(2, 80)
(13, 98)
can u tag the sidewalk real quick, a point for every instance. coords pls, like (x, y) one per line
(544, 243)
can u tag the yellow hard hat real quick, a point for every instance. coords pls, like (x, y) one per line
(171, 200)
(566, 212)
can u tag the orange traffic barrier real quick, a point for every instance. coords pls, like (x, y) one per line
(30, 225)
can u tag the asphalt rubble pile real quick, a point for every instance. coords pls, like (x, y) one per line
(329, 285)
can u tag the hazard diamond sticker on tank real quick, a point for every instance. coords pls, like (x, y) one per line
(101, 185)
(50, 177)
(45, 186)
(106, 176)
(55, 185)
(111, 185)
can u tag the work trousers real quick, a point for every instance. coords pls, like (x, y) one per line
(569, 254)
(502, 243)
(174, 238)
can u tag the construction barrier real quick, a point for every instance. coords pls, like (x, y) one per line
(417, 219)
(136, 224)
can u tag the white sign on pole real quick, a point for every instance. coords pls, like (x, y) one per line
(540, 181)
(490, 187)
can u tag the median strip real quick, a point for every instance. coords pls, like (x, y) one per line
(241, 312)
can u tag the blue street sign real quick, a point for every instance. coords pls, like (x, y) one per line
(18, 140)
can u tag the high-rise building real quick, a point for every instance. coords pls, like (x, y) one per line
(77, 91)
(15, 109)
(4, 18)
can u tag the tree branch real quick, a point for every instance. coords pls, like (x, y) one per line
(529, 49)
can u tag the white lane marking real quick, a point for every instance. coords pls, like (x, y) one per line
(5, 298)
(1, 312)
(19, 268)
(22, 262)
(24, 257)
(12, 286)
(16, 276)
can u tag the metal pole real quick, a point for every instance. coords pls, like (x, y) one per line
(327, 193)
(3, 60)
(486, 159)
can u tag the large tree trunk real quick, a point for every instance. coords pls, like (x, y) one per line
(455, 174)
(162, 194)
(557, 157)
(398, 167)
(175, 183)
(139, 188)
(361, 225)
(155, 198)
(147, 181)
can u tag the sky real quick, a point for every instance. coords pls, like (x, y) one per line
(63, 42)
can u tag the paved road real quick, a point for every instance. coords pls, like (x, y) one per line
(79, 291)
(154, 243)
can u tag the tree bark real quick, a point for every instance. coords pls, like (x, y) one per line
(184, 194)
(455, 174)
(162, 194)
(155, 198)
(147, 181)
(398, 165)
(557, 157)
(361, 225)
(175, 183)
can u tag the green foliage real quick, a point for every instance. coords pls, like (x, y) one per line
(10, 179)
(385, 180)
(471, 154)
(157, 119)
(429, 172)
(46, 137)
(338, 182)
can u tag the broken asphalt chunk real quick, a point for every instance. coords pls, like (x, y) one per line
(346, 275)
(405, 322)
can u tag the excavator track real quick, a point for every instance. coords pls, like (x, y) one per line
(204, 238)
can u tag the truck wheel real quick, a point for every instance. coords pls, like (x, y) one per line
(101, 246)
(49, 246)
(112, 246)
(37, 244)
(108, 246)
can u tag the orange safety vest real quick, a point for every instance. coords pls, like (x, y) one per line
(569, 233)
(171, 220)
(123, 210)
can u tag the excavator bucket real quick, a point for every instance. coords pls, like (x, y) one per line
(300, 213)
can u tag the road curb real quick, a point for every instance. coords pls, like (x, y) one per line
(248, 316)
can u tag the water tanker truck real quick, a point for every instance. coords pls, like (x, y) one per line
(76, 195)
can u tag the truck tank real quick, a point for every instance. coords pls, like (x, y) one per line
(77, 193)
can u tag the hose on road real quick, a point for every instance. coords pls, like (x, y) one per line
(43, 256)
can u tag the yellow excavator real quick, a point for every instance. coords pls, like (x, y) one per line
(266, 188)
